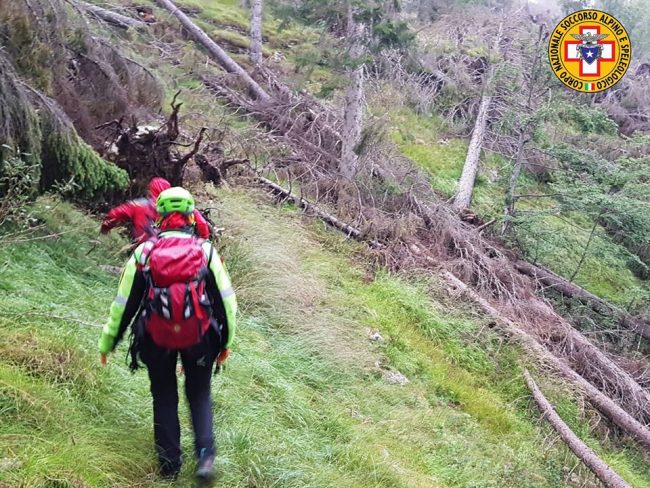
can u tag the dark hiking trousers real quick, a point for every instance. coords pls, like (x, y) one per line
(161, 364)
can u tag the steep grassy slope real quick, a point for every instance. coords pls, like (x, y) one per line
(305, 400)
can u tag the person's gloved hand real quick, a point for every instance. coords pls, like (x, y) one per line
(222, 357)
(105, 345)
(220, 360)
(106, 227)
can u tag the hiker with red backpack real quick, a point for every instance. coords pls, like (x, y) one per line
(141, 215)
(179, 292)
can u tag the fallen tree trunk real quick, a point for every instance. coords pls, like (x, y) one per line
(597, 466)
(629, 389)
(353, 103)
(599, 400)
(591, 362)
(330, 219)
(463, 196)
(571, 290)
(113, 18)
(218, 54)
(284, 118)
(599, 367)
(558, 336)
(349, 230)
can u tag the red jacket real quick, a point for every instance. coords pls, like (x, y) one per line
(142, 215)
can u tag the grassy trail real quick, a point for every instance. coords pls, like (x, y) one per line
(306, 399)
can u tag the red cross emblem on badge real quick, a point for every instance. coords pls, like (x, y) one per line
(573, 54)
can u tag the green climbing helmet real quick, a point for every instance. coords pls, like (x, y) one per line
(175, 199)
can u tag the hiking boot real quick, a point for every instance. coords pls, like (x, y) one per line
(170, 471)
(205, 467)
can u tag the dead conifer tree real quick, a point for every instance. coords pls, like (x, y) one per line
(533, 78)
(353, 109)
(256, 32)
(463, 195)
(597, 466)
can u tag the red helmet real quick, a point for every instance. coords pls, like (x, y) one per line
(156, 186)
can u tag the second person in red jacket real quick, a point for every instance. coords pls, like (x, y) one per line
(141, 215)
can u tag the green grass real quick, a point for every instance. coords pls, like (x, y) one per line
(225, 12)
(304, 400)
(422, 139)
(60, 412)
(233, 24)
(558, 241)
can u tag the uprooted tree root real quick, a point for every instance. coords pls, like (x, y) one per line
(148, 151)
(396, 206)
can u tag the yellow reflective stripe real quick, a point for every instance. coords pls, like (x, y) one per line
(123, 290)
(120, 300)
(226, 290)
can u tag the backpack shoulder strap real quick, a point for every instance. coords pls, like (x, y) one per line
(147, 247)
(211, 254)
(201, 242)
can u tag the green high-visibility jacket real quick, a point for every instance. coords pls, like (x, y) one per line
(132, 288)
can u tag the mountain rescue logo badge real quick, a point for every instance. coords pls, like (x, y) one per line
(589, 51)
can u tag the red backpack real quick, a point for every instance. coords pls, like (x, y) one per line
(177, 309)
